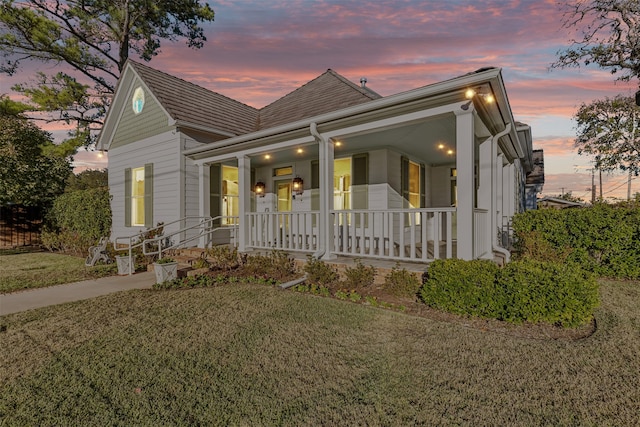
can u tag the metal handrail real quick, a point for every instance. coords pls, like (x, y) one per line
(206, 230)
(129, 243)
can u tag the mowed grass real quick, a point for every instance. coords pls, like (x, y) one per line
(257, 355)
(29, 270)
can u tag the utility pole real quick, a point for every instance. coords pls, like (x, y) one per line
(593, 186)
(629, 187)
(600, 172)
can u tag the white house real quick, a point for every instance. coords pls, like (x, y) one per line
(331, 169)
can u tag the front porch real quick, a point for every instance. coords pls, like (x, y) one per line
(414, 235)
(406, 181)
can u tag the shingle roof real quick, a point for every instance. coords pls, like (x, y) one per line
(327, 92)
(191, 103)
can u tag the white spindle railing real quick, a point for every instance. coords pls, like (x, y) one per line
(289, 231)
(400, 234)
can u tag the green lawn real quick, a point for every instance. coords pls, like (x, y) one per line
(257, 355)
(19, 270)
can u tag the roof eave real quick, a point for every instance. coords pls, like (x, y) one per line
(452, 85)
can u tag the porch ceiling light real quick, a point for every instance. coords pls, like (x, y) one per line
(267, 156)
(299, 151)
(259, 188)
(298, 185)
(472, 93)
(338, 143)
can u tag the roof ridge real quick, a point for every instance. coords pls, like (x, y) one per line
(147, 67)
(363, 90)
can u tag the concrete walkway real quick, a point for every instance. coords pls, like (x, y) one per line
(35, 298)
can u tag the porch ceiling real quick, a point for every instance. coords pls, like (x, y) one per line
(428, 140)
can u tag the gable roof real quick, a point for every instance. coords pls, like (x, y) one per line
(327, 92)
(188, 103)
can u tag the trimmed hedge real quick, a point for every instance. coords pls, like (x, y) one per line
(522, 291)
(463, 287)
(602, 239)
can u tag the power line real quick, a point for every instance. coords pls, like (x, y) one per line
(626, 181)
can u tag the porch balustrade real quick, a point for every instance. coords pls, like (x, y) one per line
(289, 231)
(400, 234)
(420, 235)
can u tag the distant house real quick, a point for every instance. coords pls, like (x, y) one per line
(535, 180)
(558, 203)
(331, 169)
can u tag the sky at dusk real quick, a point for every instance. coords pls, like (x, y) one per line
(260, 50)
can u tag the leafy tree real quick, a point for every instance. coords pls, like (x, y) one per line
(608, 129)
(568, 196)
(90, 178)
(608, 35)
(93, 40)
(27, 175)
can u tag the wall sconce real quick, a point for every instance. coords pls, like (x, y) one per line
(259, 188)
(298, 185)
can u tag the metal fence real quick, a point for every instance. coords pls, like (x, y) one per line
(20, 225)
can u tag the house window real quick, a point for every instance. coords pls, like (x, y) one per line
(138, 196)
(342, 184)
(229, 195)
(454, 186)
(283, 171)
(415, 186)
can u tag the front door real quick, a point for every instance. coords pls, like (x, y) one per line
(283, 204)
(283, 191)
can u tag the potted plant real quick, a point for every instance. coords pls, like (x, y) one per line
(124, 264)
(166, 269)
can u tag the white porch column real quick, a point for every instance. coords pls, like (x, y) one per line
(465, 181)
(486, 191)
(244, 201)
(325, 230)
(508, 196)
(204, 192)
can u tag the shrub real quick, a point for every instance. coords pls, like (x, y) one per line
(223, 257)
(551, 292)
(463, 287)
(402, 283)
(320, 273)
(77, 220)
(359, 276)
(522, 291)
(602, 239)
(189, 282)
(200, 263)
(276, 265)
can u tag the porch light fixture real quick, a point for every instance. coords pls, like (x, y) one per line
(267, 156)
(299, 151)
(259, 188)
(471, 93)
(297, 185)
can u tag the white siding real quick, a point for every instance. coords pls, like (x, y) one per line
(441, 186)
(164, 152)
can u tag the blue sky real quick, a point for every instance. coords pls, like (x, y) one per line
(258, 50)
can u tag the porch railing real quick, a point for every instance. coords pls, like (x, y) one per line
(400, 234)
(290, 231)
